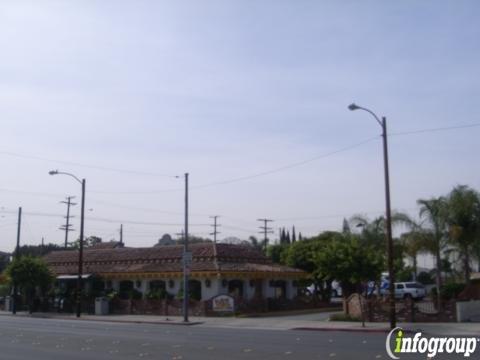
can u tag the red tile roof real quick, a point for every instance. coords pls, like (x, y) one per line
(207, 257)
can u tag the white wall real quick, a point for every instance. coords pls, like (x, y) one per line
(468, 311)
(291, 290)
(213, 290)
(248, 291)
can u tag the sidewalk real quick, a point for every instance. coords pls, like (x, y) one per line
(271, 323)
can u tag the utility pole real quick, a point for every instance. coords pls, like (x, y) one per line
(388, 219)
(67, 226)
(187, 257)
(215, 225)
(265, 230)
(391, 272)
(121, 234)
(17, 254)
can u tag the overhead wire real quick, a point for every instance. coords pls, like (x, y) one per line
(96, 167)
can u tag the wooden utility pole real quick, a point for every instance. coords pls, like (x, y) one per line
(215, 225)
(265, 230)
(17, 254)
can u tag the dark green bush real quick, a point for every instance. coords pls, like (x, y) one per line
(425, 278)
(157, 294)
(449, 291)
(134, 294)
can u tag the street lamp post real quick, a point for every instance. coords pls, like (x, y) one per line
(391, 274)
(186, 258)
(80, 251)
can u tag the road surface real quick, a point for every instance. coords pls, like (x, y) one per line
(53, 339)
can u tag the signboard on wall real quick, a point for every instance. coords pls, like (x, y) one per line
(223, 303)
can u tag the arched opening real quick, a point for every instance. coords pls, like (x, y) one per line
(195, 289)
(235, 288)
(125, 289)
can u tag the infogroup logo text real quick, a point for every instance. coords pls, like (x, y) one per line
(419, 344)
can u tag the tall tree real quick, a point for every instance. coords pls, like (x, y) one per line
(283, 239)
(350, 262)
(463, 219)
(346, 227)
(29, 273)
(294, 236)
(434, 212)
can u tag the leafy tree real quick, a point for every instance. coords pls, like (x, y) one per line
(29, 273)
(350, 262)
(4, 260)
(277, 253)
(463, 219)
(39, 250)
(255, 243)
(294, 236)
(87, 242)
(192, 239)
(302, 255)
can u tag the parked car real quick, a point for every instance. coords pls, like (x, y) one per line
(404, 290)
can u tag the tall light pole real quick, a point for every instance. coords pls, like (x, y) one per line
(187, 260)
(16, 257)
(391, 273)
(80, 251)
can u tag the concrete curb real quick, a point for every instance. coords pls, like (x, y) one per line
(361, 330)
(159, 322)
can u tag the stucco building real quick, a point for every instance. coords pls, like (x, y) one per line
(238, 270)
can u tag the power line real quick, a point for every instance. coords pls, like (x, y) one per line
(101, 202)
(96, 167)
(107, 220)
(247, 177)
(138, 222)
(446, 128)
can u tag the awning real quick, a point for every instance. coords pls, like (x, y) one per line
(72, 277)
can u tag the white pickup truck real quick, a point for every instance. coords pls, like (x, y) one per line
(403, 290)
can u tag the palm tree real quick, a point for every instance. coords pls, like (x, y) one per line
(413, 244)
(463, 219)
(372, 233)
(433, 211)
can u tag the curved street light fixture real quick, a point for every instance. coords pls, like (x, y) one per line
(391, 274)
(80, 252)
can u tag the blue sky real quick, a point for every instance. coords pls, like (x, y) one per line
(224, 89)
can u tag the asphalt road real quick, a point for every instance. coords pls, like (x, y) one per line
(52, 339)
